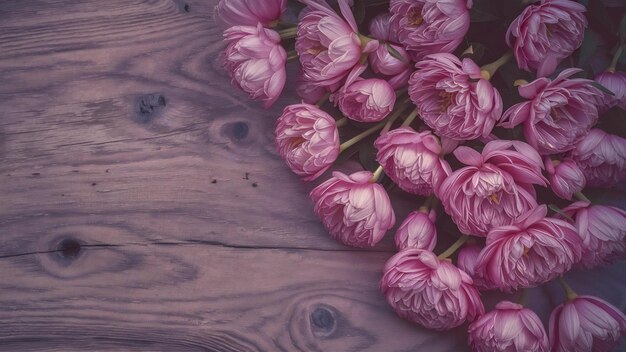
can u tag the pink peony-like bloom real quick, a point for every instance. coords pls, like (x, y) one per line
(558, 113)
(494, 189)
(429, 291)
(508, 328)
(427, 27)
(256, 61)
(418, 231)
(366, 100)
(328, 46)
(452, 97)
(565, 177)
(354, 210)
(546, 33)
(411, 160)
(603, 230)
(307, 139)
(584, 324)
(602, 157)
(248, 12)
(529, 252)
(615, 81)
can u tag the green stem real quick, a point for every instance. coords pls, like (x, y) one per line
(456, 245)
(393, 117)
(354, 140)
(523, 297)
(558, 210)
(377, 174)
(323, 100)
(568, 290)
(489, 70)
(410, 118)
(341, 122)
(292, 56)
(288, 33)
(618, 53)
(582, 197)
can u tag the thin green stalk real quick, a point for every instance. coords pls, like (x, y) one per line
(453, 248)
(571, 294)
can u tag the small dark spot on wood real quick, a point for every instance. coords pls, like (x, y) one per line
(214, 181)
(240, 130)
(69, 248)
(149, 106)
(8, 174)
(186, 7)
(107, 171)
(62, 194)
(93, 184)
(322, 320)
(35, 174)
(246, 176)
(74, 170)
(255, 185)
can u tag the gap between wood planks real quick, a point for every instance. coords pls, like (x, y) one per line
(197, 242)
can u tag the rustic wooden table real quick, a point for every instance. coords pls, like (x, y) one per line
(143, 206)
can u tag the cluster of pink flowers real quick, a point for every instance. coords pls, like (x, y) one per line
(449, 135)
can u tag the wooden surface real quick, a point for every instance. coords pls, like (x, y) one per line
(143, 206)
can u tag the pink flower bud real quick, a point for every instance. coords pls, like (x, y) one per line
(380, 28)
(328, 46)
(452, 97)
(586, 323)
(616, 83)
(545, 33)
(383, 63)
(494, 189)
(366, 100)
(411, 160)
(428, 27)
(602, 157)
(354, 210)
(256, 61)
(531, 251)
(558, 114)
(565, 177)
(307, 139)
(417, 231)
(466, 260)
(509, 327)
(429, 291)
(248, 12)
(603, 230)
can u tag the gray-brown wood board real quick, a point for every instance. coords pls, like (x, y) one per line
(143, 206)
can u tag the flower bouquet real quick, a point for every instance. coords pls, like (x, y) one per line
(493, 116)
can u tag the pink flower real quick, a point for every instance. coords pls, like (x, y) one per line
(603, 230)
(411, 160)
(429, 291)
(452, 97)
(248, 12)
(558, 113)
(546, 33)
(366, 100)
(531, 251)
(615, 81)
(602, 157)
(256, 61)
(586, 323)
(397, 70)
(354, 210)
(565, 177)
(494, 189)
(328, 46)
(418, 231)
(307, 139)
(380, 28)
(466, 261)
(510, 327)
(430, 26)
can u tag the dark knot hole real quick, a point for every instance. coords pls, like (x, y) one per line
(69, 248)
(322, 320)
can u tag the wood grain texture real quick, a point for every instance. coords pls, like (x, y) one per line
(143, 206)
